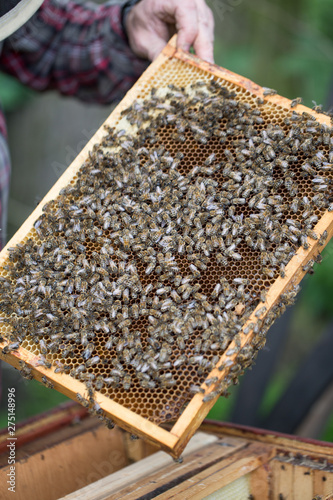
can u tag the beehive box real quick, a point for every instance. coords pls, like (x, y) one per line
(232, 463)
(221, 461)
(163, 254)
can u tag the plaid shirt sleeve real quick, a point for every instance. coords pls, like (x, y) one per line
(79, 49)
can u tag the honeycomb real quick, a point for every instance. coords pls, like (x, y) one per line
(186, 296)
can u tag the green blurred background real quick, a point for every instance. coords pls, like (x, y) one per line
(280, 44)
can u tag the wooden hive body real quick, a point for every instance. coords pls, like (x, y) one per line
(223, 460)
(140, 411)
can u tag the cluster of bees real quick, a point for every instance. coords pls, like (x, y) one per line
(111, 288)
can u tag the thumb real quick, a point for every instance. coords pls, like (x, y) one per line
(186, 37)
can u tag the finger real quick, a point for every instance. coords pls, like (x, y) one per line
(204, 43)
(147, 37)
(184, 14)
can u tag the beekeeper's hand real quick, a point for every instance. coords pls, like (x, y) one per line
(150, 24)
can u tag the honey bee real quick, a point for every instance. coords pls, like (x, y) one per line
(61, 368)
(42, 346)
(296, 101)
(221, 259)
(47, 383)
(215, 293)
(268, 91)
(41, 361)
(164, 353)
(82, 400)
(127, 382)
(248, 328)
(268, 272)
(195, 389)
(241, 281)
(25, 371)
(181, 343)
(260, 311)
(211, 381)
(86, 354)
(308, 266)
(210, 396)
(323, 238)
(11, 347)
(282, 270)
(180, 361)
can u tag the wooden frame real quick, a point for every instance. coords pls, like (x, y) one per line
(175, 440)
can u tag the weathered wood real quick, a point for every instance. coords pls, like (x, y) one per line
(303, 483)
(67, 466)
(208, 469)
(260, 482)
(137, 449)
(37, 428)
(50, 465)
(282, 442)
(168, 477)
(282, 481)
(219, 475)
(322, 483)
(108, 486)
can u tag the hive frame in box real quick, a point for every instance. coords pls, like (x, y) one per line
(175, 440)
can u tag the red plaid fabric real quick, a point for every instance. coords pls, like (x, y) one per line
(77, 48)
